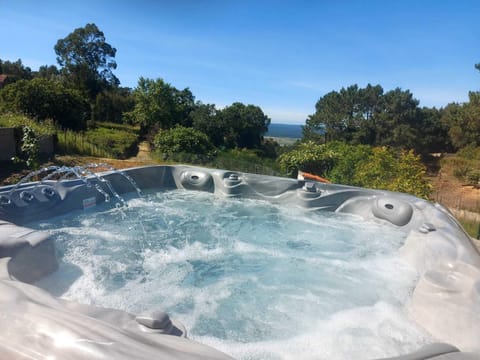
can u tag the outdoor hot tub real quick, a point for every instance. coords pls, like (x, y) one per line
(256, 267)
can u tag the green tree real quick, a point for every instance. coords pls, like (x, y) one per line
(48, 72)
(395, 123)
(15, 71)
(369, 106)
(347, 115)
(334, 114)
(463, 122)
(432, 132)
(204, 118)
(370, 116)
(471, 121)
(159, 105)
(110, 105)
(87, 61)
(243, 126)
(45, 99)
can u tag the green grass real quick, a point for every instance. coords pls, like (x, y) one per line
(115, 126)
(100, 142)
(73, 143)
(119, 143)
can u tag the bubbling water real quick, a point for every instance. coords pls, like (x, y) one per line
(252, 279)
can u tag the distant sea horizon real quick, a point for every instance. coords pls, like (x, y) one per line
(293, 131)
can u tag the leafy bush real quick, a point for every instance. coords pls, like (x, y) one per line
(182, 140)
(349, 159)
(360, 165)
(30, 147)
(309, 157)
(389, 170)
(460, 167)
(473, 177)
(44, 99)
(29, 155)
(469, 152)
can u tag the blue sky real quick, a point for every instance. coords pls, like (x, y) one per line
(280, 55)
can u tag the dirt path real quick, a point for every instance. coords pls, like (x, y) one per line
(143, 153)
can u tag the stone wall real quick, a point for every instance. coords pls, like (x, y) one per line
(7, 144)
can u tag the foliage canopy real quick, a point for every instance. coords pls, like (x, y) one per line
(373, 117)
(45, 99)
(87, 60)
(159, 105)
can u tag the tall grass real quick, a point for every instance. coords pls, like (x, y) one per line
(70, 142)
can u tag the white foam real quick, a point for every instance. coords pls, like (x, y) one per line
(194, 251)
(370, 332)
(255, 280)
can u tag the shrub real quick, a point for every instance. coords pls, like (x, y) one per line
(360, 165)
(469, 152)
(309, 157)
(182, 140)
(473, 177)
(46, 99)
(460, 167)
(349, 159)
(29, 150)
